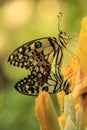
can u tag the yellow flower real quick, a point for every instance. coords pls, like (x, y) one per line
(82, 46)
(80, 89)
(46, 112)
(72, 118)
(82, 54)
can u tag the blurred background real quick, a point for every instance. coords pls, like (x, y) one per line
(22, 21)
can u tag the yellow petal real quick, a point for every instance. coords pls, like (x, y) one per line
(68, 70)
(69, 124)
(74, 120)
(80, 90)
(45, 112)
(81, 85)
(69, 107)
(80, 119)
(82, 54)
(82, 46)
(62, 120)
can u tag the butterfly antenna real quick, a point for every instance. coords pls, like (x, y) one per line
(59, 20)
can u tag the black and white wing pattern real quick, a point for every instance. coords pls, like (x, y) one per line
(37, 56)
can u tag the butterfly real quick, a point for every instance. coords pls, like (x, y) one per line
(37, 56)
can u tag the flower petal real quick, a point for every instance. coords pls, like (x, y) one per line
(82, 46)
(74, 120)
(69, 107)
(46, 112)
(81, 85)
(80, 119)
(69, 124)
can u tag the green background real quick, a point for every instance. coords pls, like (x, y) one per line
(17, 111)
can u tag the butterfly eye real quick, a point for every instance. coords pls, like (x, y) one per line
(38, 44)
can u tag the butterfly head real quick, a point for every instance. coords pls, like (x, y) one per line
(63, 38)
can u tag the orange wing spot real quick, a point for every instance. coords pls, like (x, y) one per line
(34, 57)
(47, 69)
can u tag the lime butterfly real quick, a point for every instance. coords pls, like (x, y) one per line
(37, 57)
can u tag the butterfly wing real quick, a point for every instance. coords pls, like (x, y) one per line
(32, 85)
(33, 52)
(37, 56)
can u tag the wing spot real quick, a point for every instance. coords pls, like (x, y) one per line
(15, 52)
(26, 52)
(29, 53)
(30, 59)
(16, 63)
(24, 80)
(27, 86)
(38, 44)
(18, 84)
(13, 62)
(31, 68)
(41, 69)
(21, 83)
(34, 62)
(11, 57)
(36, 83)
(25, 63)
(36, 68)
(20, 49)
(19, 89)
(21, 64)
(39, 75)
(20, 56)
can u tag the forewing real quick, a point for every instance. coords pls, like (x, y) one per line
(33, 52)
